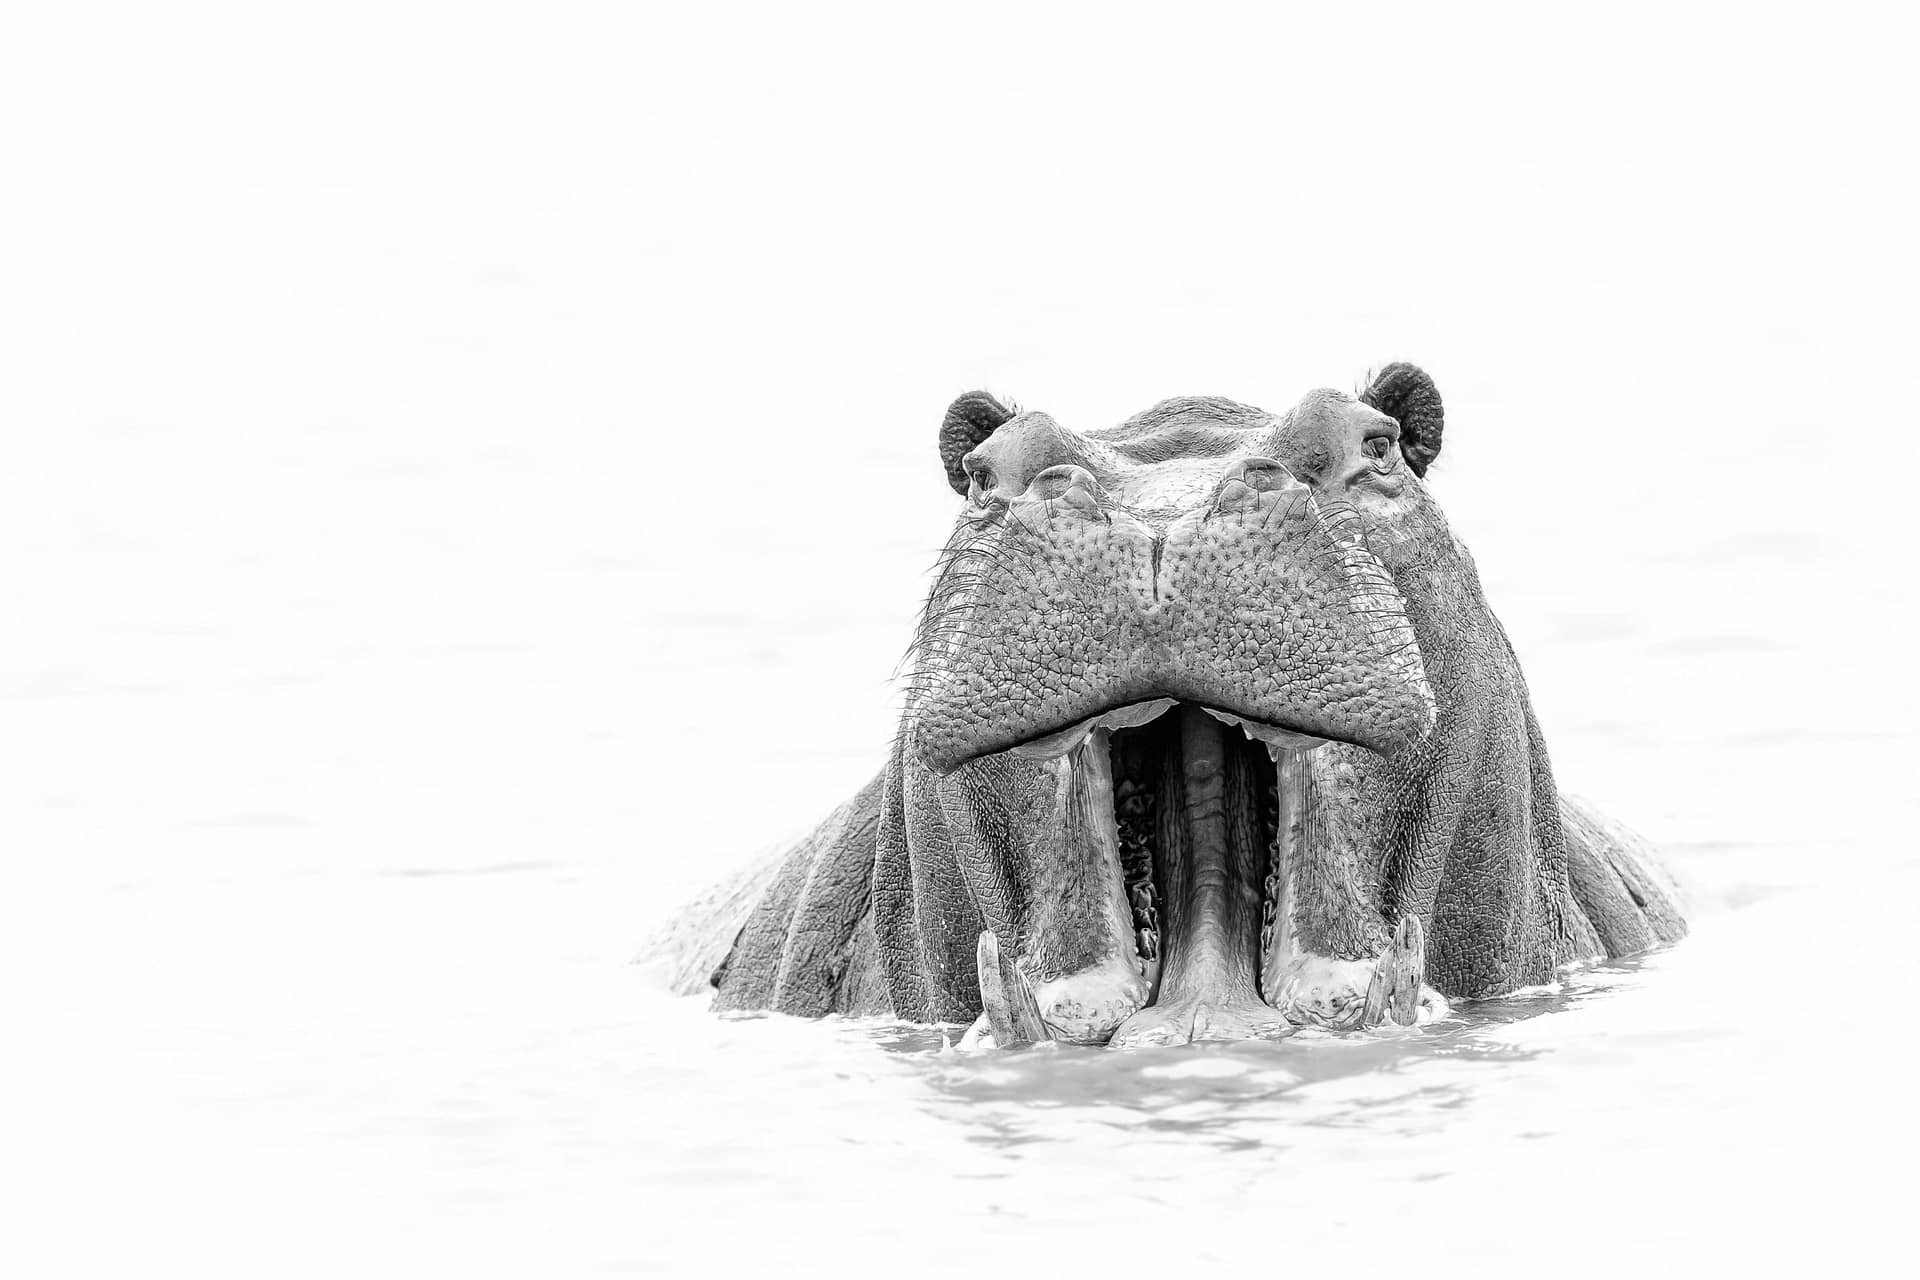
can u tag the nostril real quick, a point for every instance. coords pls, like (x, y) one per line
(1262, 474)
(1059, 481)
(1254, 485)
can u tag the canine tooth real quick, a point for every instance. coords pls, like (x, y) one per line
(1394, 993)
(1009, 1006)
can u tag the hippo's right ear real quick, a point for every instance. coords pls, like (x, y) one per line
(970, 419)
(1406, 394)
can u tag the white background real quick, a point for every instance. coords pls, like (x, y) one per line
(471, 473)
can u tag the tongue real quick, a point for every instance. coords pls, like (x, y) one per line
(1211, 864)
(1213, 884)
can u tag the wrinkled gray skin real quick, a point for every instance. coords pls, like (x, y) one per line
(1243, 651)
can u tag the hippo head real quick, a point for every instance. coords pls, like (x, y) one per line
(1136, 638)
(1202, 552)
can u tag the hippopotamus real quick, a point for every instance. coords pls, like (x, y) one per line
(1208, 732)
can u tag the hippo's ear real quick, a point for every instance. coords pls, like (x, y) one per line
(1406, 394)
(970, 419)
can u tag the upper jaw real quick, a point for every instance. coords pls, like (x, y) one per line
(943, 751)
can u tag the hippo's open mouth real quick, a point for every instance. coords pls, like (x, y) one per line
(1202, 809)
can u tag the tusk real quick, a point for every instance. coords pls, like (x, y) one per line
(1010, 1010)
(1394, 993)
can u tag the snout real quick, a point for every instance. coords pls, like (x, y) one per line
(1256, 602)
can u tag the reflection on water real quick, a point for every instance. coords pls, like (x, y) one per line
(1234, 1096)
(1676, 1096)
(1230, 1096)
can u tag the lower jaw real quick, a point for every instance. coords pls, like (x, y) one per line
(1204, 824)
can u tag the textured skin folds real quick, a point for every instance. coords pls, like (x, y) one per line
(1292, 571)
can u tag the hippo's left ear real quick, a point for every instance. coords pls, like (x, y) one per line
(1406, 394)
(970, 419)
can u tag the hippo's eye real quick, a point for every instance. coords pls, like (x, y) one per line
(1378, 447)
(982, 478)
